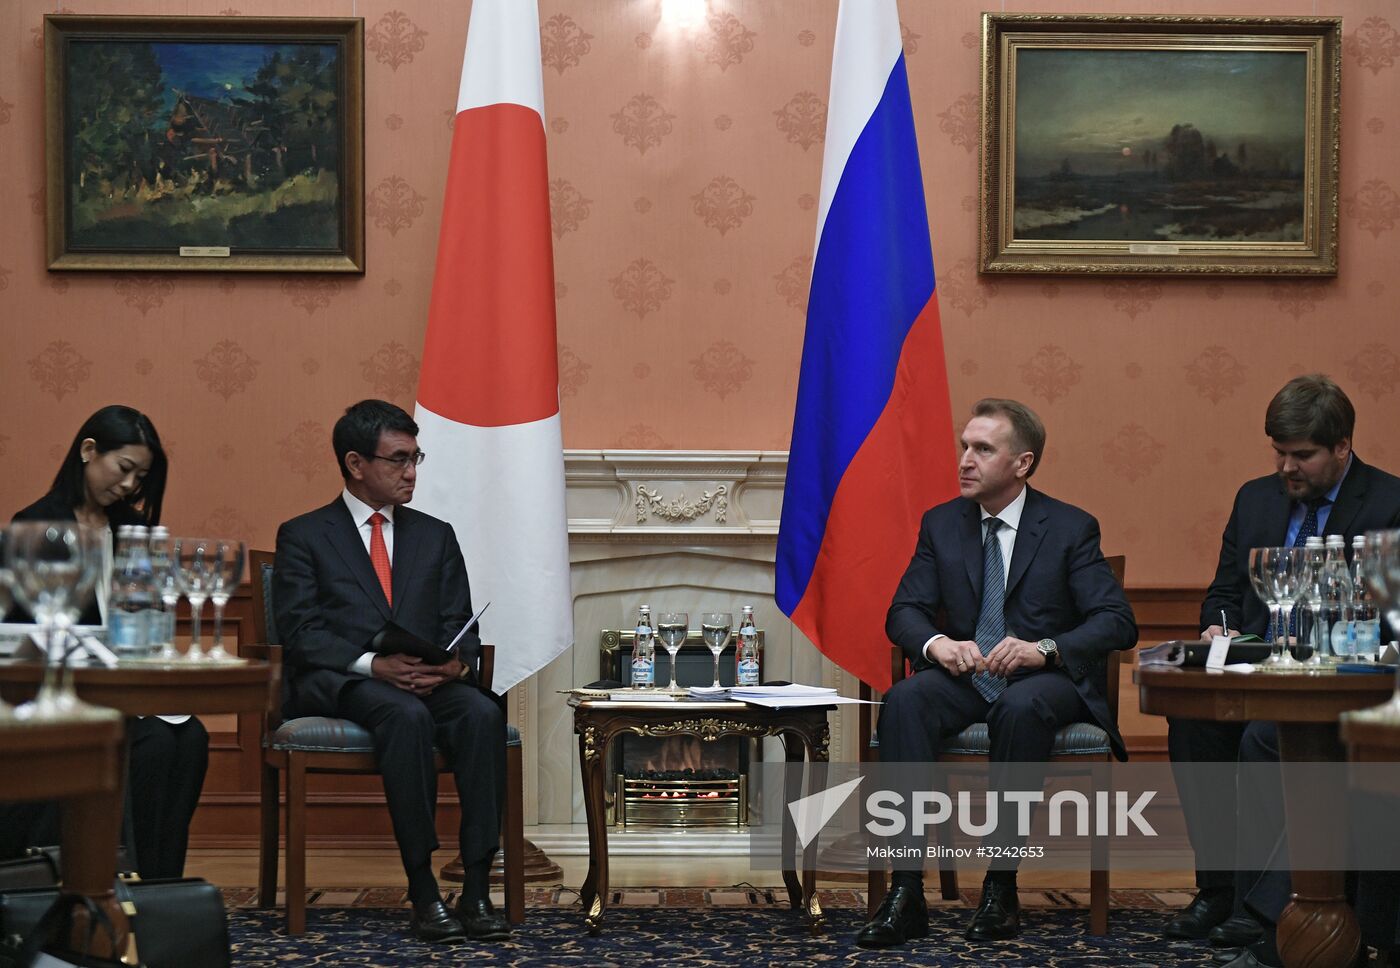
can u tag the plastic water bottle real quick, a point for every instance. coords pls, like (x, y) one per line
(1336, 597)
(1366, 622)
(747, 653)
(644, 651)
(132, 598)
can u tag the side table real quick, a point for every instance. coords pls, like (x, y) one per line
(803, 729)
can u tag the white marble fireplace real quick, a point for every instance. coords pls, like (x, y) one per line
(684, 530)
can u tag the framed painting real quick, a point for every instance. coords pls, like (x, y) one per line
(205, 143)
(1159, 144)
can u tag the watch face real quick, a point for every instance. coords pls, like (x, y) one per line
(1046, 646)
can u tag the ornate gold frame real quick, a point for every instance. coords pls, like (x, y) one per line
(347, 32)
(1004, 34)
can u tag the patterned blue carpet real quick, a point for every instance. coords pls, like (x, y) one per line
(677, 937)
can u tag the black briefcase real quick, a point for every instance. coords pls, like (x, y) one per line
(178, 922)
(43, 867)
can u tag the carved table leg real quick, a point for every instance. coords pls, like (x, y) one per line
(592, 744)
(1318, 929)
(792, 790)
(817, 745)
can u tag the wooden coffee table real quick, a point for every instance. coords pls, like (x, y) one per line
(1318, 929)
(803, 729)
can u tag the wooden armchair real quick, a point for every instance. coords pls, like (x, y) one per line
(1079, 742)
(315, 744)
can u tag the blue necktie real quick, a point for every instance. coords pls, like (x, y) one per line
(991, 618)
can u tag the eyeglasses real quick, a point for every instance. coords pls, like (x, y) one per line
(401, 461)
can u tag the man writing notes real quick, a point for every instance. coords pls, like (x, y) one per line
(1007, 613)
(1321, 487)
(344, 571)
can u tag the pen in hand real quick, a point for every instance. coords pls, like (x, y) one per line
(1224, 623)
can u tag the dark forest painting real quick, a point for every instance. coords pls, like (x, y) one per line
(229, 137)
(1161, 145)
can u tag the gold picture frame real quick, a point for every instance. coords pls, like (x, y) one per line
(205, 143)
(1159, 144)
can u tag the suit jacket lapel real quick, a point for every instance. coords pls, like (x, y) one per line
(972, 547)
(406, 554)
(1028, 537)
(344, 537)
(1350, 498)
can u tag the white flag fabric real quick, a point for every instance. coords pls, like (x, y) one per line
(488, 394)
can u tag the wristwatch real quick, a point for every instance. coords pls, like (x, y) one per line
(1049, 649)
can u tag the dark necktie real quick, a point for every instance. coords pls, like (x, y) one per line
(991, 618)
(1308, 529)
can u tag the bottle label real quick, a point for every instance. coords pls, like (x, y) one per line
(747, 673)
(643, 671)
(125, 633)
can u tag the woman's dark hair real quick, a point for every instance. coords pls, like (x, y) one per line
(112, 428)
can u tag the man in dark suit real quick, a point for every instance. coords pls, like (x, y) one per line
(1321, 488)
(344, 571)
(1007, 612)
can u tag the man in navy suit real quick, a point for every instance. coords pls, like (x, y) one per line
(342, 573)
(1007, 613)
(1321, 488)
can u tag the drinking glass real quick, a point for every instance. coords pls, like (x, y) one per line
(226, 568)
(1380, 569)
(671, 629)
(714, 629)
(53, 566)
(6, 581)
(194, 564)
(166, 573)
(1311, 594)
(1284, 570)
(1258, 578)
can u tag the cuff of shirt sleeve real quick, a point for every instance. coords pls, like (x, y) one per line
(926, 653)
(364, 666)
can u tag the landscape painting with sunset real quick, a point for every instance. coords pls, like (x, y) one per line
(1198, 145)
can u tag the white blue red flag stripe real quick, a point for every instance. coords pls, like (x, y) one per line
(872, 444)
(488, 392)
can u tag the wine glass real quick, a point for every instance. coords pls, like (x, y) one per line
(226, 569)
(6, 581)
(166, 573)
(1284, 570)
(52, 566)
(714, 629)
(194, 567)
(671, 628)
(1258, 578)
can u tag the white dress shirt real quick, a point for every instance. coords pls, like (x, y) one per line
(361, 513)
(1010, 518)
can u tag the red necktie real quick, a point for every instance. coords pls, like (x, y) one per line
(379, 555)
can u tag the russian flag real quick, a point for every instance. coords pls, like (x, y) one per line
(488, 393)
(872, 439)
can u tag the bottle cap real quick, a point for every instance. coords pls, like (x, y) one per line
(1336, 541)
(1313, 542)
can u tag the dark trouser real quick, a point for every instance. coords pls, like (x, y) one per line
(1262, 828)
(168, 762)
(469, 728)
(1205, 805)
(931, 706)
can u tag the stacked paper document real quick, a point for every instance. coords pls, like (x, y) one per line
(774, 697)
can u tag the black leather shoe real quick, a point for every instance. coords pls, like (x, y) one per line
(1223, 956)
(901, 916)
(1247, 959)
(998, 917)
(433, 922)
(1206, 910)
(1237, 931)
(481, 921)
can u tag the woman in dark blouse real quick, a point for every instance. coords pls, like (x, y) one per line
(114, 474)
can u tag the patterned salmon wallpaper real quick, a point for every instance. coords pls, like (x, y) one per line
(685, 143)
